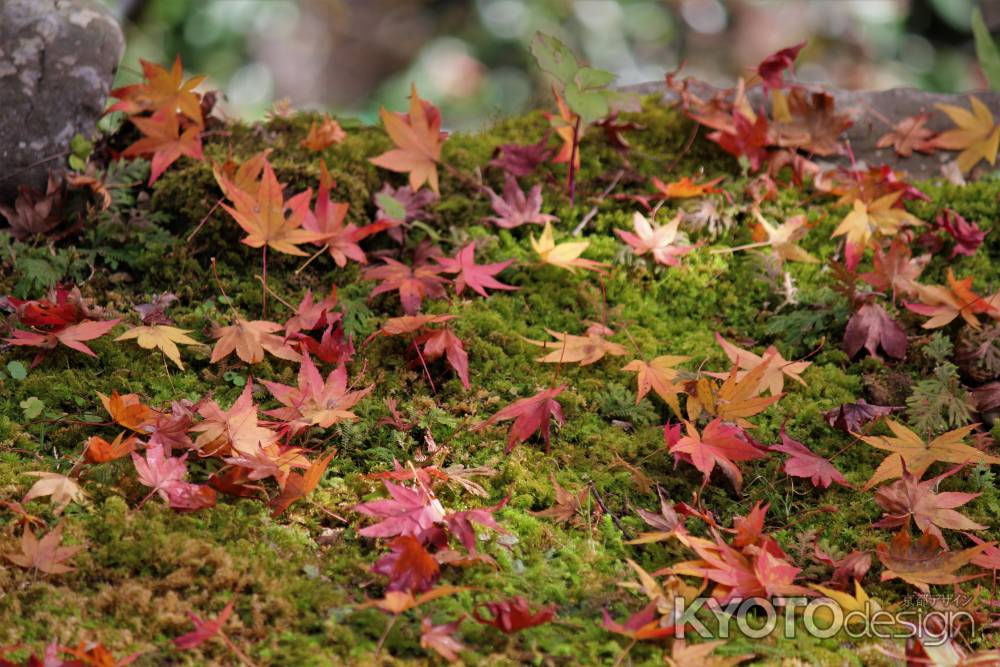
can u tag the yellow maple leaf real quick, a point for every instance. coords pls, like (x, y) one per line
(909, 448)
(977, 135)
(565, 255)
(571, 349)
(162, 337)
(784, 238)
(879, 217)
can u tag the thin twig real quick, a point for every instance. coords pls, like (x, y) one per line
(208, 215)
(600, 198)
(604, 508)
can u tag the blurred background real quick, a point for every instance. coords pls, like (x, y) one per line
(472, 57)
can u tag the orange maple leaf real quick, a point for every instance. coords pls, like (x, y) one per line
(323, 135)
(250, 339)
(685, 188)
(262, 216)
(657, 375)
(162, 91)
(418, 140)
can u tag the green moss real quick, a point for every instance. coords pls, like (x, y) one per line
(297, 596)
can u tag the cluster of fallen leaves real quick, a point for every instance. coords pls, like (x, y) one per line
(271, 454)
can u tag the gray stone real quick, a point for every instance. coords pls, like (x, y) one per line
(873, 113)
(57, 61)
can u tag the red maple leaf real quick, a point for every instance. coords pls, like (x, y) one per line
(719, 444)
(163, 139)
(478, 277)
(204, 630)
(72, 336)
(443, 343)
(414, 283)
(514, 614)
(644, 624)
(409, 566)
(967, 235)
(805, 463)
(772, 68)
(749, 140)
(530, 415)
(327, 220)
(410, 511)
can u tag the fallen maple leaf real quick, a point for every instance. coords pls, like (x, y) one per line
(872, 327)
(163, 139)
(568, 505)
(444, 343)
(418, 140)
(522, 159)
(909, 497)
(410, 511)
(323, 134)
(159, 472)
(746, 138)
(250, 339)
(642, 625)
(658, 375)
(719, 444)
(63, 490)
(99, 450)
(478, 277)
(967, 235)
(162, 91)
(399, 602)
(565, 255)
(236, 428)
(850, 417)
(569, 129)
(943, 304)
(298, 486)
(910, 449)
(409, 566)
(736, 399)
(72, 336)
(514, 614)
(784, 238)
(204, 630)
(685, 188)
(924, 562)
(802, 462)
(327, 221)
(808, 120)
(570, 349)
(659, 240)
(441, 638)
(977, 136)
(776, 367)
(262, 216)
(896, 270)
(771, 70)
(44, 555)
(867, 220)
(515, 208)
(162, 337)
(908, 135)
(315, 402)
(530, 415)
(413, 283)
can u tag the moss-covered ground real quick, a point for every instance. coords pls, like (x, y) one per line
(297, 580)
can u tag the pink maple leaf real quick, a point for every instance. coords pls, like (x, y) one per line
(478, 277)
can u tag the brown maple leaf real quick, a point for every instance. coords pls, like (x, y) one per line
(908, 135)
(568, 504)
(924, 562)
(250, 339)
(809, 122)
(931, 511)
